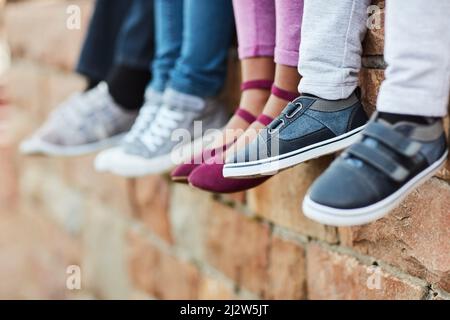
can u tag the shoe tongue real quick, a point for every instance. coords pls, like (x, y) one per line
(179, 101)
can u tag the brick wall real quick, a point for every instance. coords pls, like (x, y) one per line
(149, 238)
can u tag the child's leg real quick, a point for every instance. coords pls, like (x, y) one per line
(168, 40)
(329, 114)
(288, 25)
(133, 53)
(405, 143)
(98, 52)
(330, 52)
(255, 25)
(418, 76)
(99, 117)
(207, 31)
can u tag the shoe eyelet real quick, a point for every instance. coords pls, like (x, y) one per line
(299, 106)
(273, 130)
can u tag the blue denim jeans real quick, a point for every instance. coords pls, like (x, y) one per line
(192, 41)
(121, 32)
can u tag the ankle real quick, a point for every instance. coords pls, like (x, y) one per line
(274, 106)
(254, 100)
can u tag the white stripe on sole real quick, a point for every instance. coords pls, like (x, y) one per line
(132, 166)
(38, 147)
(273, 165)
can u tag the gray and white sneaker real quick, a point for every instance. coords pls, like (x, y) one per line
(85, 123)
(153, 100)
(181, 120)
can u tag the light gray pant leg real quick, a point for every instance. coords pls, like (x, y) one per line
(330, 50)
(417, 51)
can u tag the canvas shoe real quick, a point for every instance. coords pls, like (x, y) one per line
(85, 123)
(181, 120)
(308, 128)
(373, 176)
(153, 100)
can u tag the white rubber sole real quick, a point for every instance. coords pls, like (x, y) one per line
(273, 165)
(353, 217)
(36, 146)
(104, 160)
(131, 166)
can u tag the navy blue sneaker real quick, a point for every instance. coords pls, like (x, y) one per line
(373, 176)
(308, 128)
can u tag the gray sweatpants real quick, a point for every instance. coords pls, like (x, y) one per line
(417, 51)
(331, 49)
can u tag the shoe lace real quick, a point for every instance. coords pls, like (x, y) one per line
(143, 121)
(165, 122)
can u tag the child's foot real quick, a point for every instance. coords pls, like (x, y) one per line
(209, 177)
(86, 123)
(275, 104)
(154, 150)
(371, 178)
(308, 128)
(253, 98)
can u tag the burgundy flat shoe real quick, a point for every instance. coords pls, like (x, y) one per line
(209, 176)
(181, 173)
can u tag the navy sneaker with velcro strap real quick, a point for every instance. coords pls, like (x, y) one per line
(374, 175)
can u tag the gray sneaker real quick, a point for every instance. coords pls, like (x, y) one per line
(85, 123)
(182, 119)
(153, 101)
(371, 178)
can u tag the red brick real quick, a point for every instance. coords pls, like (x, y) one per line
(215, 289)
(26, 23)
(413, 237)
(371, 80)
(239, 198)
(287, 271)
(150, 199)
(279, 199)
(34, 256)
(38, 90)
(238, 247)
(159, 274)
(444, 173)
(333, 275)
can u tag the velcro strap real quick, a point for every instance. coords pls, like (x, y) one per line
(380, 161)
(392, 139)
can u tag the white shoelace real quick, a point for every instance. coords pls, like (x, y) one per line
(165, 122)
(143, 121)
